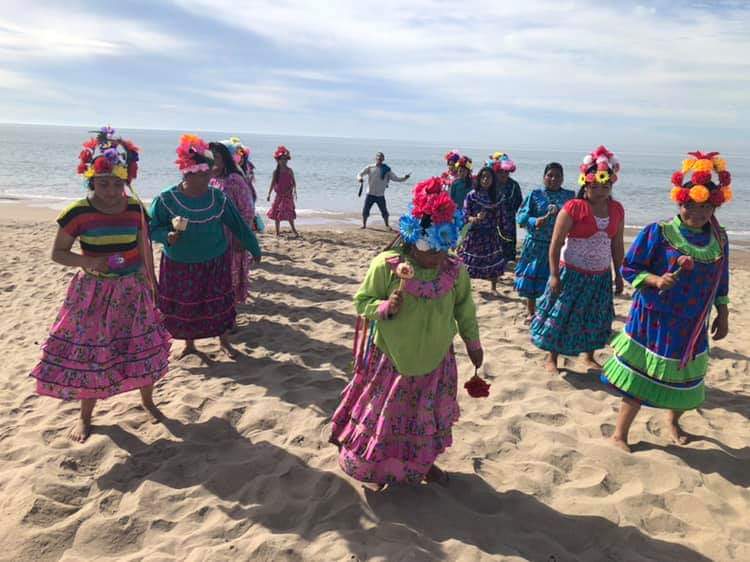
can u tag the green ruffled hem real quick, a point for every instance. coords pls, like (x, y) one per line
(652, 392)
(721, 300)
(656, 366)
(640, 279)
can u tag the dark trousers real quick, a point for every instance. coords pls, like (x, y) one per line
(371, 200)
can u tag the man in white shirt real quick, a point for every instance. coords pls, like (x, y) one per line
(378, 176)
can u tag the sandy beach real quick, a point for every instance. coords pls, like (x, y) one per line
(242, 469)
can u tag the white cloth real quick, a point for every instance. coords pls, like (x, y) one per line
(375, 184)
(592, 254)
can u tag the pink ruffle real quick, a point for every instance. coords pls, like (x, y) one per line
(435, 289)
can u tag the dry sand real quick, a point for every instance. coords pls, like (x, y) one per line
(242, 470)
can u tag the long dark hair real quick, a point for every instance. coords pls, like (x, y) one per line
(230, 166)
(492, 190)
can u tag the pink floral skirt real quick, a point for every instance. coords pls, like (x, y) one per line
(108, 338)
(282, 208)
(391, 427)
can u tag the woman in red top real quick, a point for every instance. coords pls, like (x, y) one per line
(575, 313)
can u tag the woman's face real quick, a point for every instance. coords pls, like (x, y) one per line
(553, 179)
(431, 259)
(502, 176)
(108, 189)
(219, 165)
(696, 215)
(198, 180)
(463, 172)
(282, 161)
(485, 180)
(597, 192)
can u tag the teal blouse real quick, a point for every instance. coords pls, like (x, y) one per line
(205, 237)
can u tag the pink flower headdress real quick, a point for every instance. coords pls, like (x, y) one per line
(501, 161)
(282, 151)
(193, 155)
(464, 162)
(451, 157)
(701, 187)
(600, 166)
(106, 154)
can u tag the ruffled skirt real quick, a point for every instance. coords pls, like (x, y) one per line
(392, 427)
(532, 270)
(108, 338)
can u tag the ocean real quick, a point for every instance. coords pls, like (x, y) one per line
(38, 162)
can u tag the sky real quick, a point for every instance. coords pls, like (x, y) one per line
(523, 73)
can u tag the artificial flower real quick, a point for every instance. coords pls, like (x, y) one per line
(727, 191)
(102, 166)
(687, 165)
(132, 170)
(477, 387)
(442, 237)
(678, 178)
(582, 180)
(602, 176)
(703, 165)
(82, 167)
(443, 208)
(699, 193)
(120, 172)
(716, 198)
(700, 178)
(89, 173)
(720, 165)
(602, 166)
(85, 156)
(90, 144)
(410, 228)
(725, 178)
(682, 196)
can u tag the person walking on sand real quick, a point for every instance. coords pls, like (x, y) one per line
(285, 187)
(108, 337)
(680, 271)
(378, 176)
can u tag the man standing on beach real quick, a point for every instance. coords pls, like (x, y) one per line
(378, 176)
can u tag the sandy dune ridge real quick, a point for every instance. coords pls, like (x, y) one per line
(242, 469)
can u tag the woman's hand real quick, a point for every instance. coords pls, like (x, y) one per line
(173, 237)
(476, 356)
(665, 282)
(98, 264)
(541, 221)
(619, 284)
(555, 284)
(720, 325)
(394, 302)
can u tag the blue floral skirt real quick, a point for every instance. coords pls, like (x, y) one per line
(482, 253)
(532, 270)
(579, 318)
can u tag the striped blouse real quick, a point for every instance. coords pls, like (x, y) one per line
(101, 234)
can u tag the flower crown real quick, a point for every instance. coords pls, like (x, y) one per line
(701, 188)
(282, 151)
(108, 155)
(433, 221)
(193, 155)
(452, 156)
(239, 152)
(464, 162)
(500, 161)
(600, 166)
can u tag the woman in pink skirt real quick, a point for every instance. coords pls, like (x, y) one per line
(286, 191)
(108, 337)
(397, 413)
(229, 179)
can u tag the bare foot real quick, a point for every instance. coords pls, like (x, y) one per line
(226, 347)
(190, 349)
(373, 486)
(678, 435)
(80, 431)
(551, 366)
(362, 227)
(619, 443)
(529, 319)
(493, 286)
(155, 413)
(437, 475)
(592, 364)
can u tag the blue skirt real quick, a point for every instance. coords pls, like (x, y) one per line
(579, 318)
(532, 270)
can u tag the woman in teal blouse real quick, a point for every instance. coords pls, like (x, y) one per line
(195, 284)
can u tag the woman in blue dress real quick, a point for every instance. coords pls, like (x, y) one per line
(680, 270)
(537, 215)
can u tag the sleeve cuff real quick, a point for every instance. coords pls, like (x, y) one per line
(383, 310)
(640, 280)
(473, 345)
(721, 300)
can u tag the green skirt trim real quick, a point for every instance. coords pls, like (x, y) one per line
(657, 366)
(652, 392)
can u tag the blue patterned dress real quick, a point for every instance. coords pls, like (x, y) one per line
(532, 270)
(647, 361)
(482, 250)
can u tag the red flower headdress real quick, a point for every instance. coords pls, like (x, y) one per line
(600, 166)
(701, 188)
(193, 155)
(282, 151)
